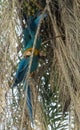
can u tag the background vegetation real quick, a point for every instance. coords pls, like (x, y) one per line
(56, 84)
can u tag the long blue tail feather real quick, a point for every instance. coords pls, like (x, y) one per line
(28, 102)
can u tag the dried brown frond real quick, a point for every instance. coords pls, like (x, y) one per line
(67, 52)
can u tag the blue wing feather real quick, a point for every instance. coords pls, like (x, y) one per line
(21, 71)
(23, 68)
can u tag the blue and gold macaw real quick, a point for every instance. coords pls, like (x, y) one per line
(28, 40)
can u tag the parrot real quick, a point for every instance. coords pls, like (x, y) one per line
(28, 40)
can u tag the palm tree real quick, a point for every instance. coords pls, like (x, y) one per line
(55, 94)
